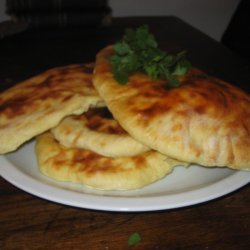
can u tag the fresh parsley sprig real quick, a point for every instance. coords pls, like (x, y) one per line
(138, 51)
(134, 239)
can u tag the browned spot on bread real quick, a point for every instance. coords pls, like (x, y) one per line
(100, 119)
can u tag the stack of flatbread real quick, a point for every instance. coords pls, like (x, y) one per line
(91, 130)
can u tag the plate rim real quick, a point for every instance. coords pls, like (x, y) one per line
(19, 179)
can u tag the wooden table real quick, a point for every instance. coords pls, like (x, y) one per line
(29, 223)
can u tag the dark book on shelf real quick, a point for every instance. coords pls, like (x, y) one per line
(98, 18)
(16, 6)
(60, 13)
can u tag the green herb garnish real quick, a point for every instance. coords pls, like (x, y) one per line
(134, 239)
(138, 51)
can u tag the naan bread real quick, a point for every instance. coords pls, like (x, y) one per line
(97, 131)
(39, 103)
(204, 121)
(100, 172)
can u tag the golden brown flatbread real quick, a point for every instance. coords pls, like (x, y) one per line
(39, 103)
(204, 120)
(100, 172)
(97, 131)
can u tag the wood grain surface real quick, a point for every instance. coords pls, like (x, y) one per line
(28, 222)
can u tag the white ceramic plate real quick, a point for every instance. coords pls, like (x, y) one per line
(183, 187)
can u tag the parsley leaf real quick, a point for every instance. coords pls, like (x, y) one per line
(134, 239)
(138, 51)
